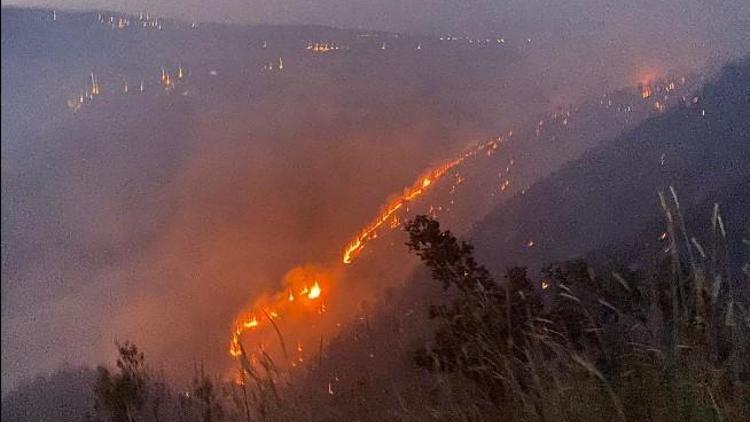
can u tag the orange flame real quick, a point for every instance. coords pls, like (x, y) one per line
(645, 91)
(314, 291)
(251, 323)
(423, 183)
(281, 304)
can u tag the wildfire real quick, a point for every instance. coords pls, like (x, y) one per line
(95, 89)
(266, 310)
(645, 91)
(314, 292)
(423, 183)
(166, 79)
(302, 288)
(251, 323)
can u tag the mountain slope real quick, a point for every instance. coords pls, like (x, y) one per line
(610, 193)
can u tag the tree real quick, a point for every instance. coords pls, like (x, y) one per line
(484, 324)
(121, 395)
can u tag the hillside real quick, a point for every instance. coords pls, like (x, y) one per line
(610, 193)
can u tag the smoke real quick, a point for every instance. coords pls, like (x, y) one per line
(162, 230)
(160, 223)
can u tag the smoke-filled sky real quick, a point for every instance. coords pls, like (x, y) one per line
(717, 18)
(119, 233)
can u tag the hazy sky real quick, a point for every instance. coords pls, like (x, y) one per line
(442, 15)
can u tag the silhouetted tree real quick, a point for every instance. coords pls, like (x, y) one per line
(121, 395)
(484, 324)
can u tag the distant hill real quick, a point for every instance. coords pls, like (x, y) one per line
(544, 142)
(48, 56)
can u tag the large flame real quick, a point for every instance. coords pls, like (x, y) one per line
(302, 295)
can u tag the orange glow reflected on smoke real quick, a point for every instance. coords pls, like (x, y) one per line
(647, 75)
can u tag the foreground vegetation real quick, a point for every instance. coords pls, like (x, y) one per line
(620, 345)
